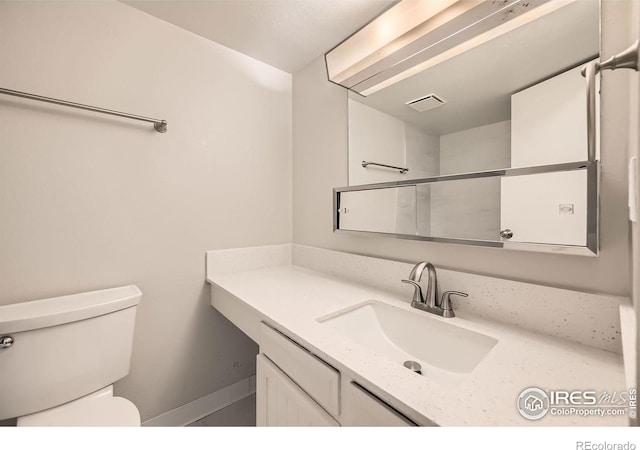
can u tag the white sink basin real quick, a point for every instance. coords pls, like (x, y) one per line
(446, 352)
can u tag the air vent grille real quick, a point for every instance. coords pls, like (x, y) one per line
(425, 103)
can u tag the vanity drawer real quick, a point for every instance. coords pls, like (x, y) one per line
(361, 408)
(317, 378)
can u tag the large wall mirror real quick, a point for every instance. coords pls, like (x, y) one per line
(489, 145)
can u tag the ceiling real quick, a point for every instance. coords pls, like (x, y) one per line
(286, 34)
(478, 83)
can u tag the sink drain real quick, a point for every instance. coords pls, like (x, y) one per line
(413, 366)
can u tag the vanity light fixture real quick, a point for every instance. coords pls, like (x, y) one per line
(416, 34)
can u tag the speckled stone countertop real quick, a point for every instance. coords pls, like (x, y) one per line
(292, 298)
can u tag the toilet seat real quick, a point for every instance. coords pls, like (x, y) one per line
(96, 412)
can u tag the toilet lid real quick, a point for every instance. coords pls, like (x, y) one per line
(99, 412)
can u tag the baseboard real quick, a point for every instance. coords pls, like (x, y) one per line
(197, 409)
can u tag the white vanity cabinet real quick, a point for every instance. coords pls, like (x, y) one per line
(281, 402)
(294, 387)
(361, 408)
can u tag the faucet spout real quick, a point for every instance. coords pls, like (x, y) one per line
(416, 272)
(432, 284)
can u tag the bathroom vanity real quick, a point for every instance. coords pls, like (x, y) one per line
(321, 319)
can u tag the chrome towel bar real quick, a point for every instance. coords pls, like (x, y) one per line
(371, 163)
(158, 124)
(627, 59)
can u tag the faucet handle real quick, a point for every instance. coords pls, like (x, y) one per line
(445, 302)
(418, 297)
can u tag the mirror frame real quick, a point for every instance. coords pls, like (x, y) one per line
(592, 225)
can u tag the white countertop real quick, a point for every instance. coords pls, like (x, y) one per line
(292, 298)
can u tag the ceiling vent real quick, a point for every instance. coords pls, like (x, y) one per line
(427, 102)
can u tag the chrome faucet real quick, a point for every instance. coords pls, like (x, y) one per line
(430, 303)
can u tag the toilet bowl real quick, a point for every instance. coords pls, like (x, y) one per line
(63, 355)
(100, 409)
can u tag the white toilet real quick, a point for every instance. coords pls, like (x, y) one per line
(60, 356)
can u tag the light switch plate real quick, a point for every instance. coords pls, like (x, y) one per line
(633, 189)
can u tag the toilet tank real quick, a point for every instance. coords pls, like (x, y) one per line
(64, 348)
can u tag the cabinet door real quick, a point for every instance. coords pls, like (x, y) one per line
(280, 402)
(546, 208)
(549, 121)
(314, 376)
(360, 408)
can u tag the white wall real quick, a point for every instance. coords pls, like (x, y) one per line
(378, 137)
(481, 148)
(320, 163)
(634, 150)
(423, 152)
(91, 202)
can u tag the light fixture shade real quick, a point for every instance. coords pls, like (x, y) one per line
(416, 34)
